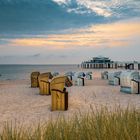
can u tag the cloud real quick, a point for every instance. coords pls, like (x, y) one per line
(47, 16)
(3, 41)
(106, 8)
(36, 55)
(119, 34)
(63, 56)
(46, 31)
(34, 17)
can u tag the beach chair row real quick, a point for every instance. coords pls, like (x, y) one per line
(55, 85)
(129, 81)
(52, 85)
(77, 78)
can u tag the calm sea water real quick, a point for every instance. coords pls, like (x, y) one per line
(19, 72)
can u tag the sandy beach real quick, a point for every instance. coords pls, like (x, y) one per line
(21, 103)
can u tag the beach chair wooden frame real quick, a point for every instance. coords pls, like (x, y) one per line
(44, 87)
(59, 94)
(44, 83)
(118, 82)
(59, 100)
(135, 86)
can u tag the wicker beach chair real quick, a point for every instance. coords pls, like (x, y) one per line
(129, 81)
(69, 74)
(44, 83)
(34, 79)
(59, 94)
(114, 78)
(79, 79)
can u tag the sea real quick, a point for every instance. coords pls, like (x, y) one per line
(22, 72)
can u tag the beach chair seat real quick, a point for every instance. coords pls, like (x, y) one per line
(59, 94)
(34, 79)
(44, 83)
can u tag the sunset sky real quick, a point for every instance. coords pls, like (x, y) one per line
(68, 31)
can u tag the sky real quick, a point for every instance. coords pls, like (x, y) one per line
(68, 31)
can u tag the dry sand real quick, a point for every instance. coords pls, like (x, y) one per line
(20, 103)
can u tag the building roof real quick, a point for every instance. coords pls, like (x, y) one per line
(101, 58)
